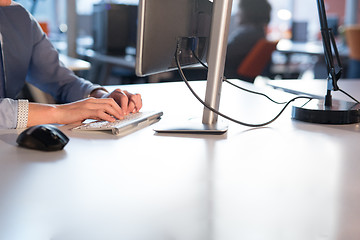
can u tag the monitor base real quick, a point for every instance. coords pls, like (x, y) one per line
(193, 127)
(314, 111)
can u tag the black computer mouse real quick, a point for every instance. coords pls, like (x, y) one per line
(43, 137)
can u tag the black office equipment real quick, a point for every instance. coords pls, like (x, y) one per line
(43, 137)
(114, 27)
(299, 31)
(333, 24)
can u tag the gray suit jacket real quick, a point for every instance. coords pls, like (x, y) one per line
(30, 57)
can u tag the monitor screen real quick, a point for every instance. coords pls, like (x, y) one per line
(162, 24)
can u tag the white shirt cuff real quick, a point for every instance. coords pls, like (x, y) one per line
(23, 112)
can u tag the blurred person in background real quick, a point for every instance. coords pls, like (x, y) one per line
(252, 19)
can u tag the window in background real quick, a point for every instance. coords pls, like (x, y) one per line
(280, 23)
(281, 15)
(284, 12)
(85, 15)
(85, 7)
(50, 12)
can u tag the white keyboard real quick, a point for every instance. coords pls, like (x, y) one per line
(130, 123)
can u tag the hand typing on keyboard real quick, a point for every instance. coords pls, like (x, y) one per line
(126, 103)
(129, 103)
(90, 108)
(100, 106)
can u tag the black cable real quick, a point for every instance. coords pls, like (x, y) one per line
(253, 92)
(348, 95)
(199, 60)
(221, 114)
(262, 94)
(237, 86)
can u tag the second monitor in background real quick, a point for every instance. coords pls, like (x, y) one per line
(114, 28)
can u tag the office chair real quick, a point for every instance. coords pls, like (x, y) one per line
(256, 61)
(352, 34)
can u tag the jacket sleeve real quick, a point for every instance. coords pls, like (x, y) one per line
(48, 74)
(8, 113)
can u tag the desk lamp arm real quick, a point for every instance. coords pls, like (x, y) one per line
(323, 111)
(329, 44)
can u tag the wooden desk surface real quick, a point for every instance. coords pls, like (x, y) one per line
(290, 180)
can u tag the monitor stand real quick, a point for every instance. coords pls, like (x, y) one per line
(216, 61)
(193, 126)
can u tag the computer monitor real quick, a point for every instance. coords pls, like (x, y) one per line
(164, 23)
(114, 27)
(299, 31)
(333, 24)
(196, 25)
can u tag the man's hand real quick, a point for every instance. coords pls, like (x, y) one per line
(128, 102)
(100, 106)
(75, 112)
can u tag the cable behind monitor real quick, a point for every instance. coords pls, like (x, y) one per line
(316, 111)
(183, 77)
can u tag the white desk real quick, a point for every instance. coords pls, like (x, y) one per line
(317, 87)
(290, 180)
(311, 48)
